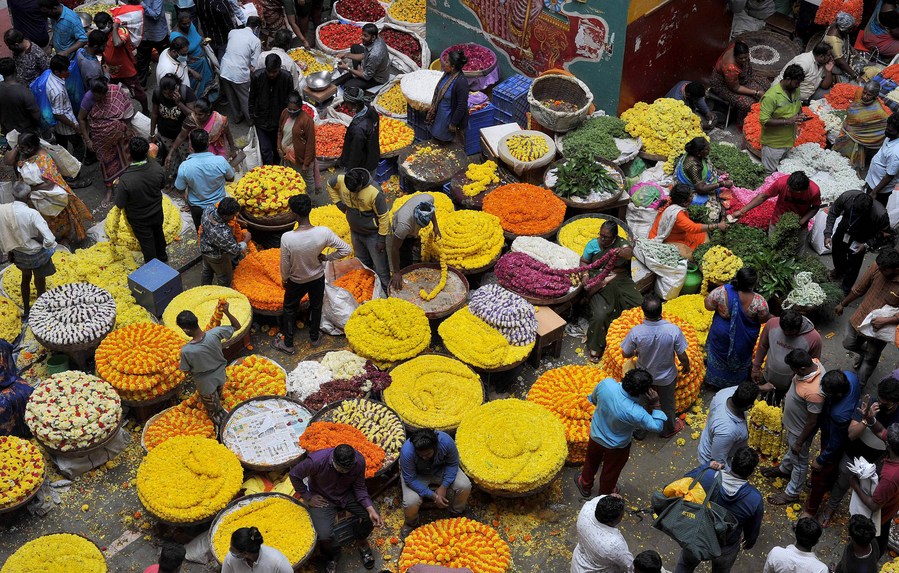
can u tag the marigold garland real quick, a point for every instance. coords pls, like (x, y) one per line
(499, 448)
(56, 553)
(324, 435)
(388, 330)
(10, 320)
(481, 175)
(189, 418)
(828, 10)
(118, 229)
(141, 361)
(188, 479)
(811, 131)
(470, 240)
(842, 95)
(202, 301)
(284, 525)
(264, 191)
(765, 430)
(665, 125)
(359, 282)
(258, 277)
(433, 391)
(576, 234)
(456, 543)
(21, 470)
(475, 342)
(255, 376)
(331, 217)
(691, 307)
(442, 204)
(525, 209)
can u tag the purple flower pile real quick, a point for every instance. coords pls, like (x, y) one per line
(523, 274)
(505, 311)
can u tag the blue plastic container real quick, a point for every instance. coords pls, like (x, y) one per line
(386, 168)
(154, 285)
(478, 120)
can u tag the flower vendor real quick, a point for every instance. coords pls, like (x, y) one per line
(839, 39)
(781, 113)
(365, 206)
(430, 458)
(362, 143)
(337, 482)
(204, 359)
(616, 291)
(268, 98)
(864, 128)
(172, 104)
(139, 194)
(818, 67)
(448, 114)
(879, 286)
(655, 342)
(795, 193)
(693, 94)
(742, 500)
(170, 559)
(781, 335)
(618, 413)
(303, 271)
(25, 236)
(247, 554)
(673, 224)
(371, 62)
(600, 546)
(296, 141)
(739, 314)
(202, 176)
(14, 394)
(802, 407)
(403, 240)
(734, 80)
(883, 498)
(884, 168)
(221, 140)
(694, 169)
(882, 32)
(218, 245)
(725, 428)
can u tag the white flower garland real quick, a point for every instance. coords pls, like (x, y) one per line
(548, 253)
(832, 122)
(830, 170)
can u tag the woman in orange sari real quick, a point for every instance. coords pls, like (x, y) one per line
(221, 142)
(673, 225)
(734, 81)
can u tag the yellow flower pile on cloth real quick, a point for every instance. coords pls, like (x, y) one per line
(765, 430)
(21, 470)
(311, 61)
(388, 330)
(394, 134)
(264, 191)
(563, 391)
(141, 361)
(665, 125)
(719, 266)
(258, 277)
(189, 418)
(330, 216)
(481, 175)
(442, 203)
(687, 385)
(56, 553)
(119, 230)
(284, 525)
(188, 479)
(202, 301)
(255, 376)
(475, 342)
(576, 234)
(457, 543)
(691, 307)
(10, 320)
(103, 264)
(433, 391)
(471, 240)
(501, 449)
(392, 100)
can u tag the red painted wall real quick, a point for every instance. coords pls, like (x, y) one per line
(679, 40)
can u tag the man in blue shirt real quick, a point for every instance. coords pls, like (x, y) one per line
(618, 413)
(431, 458)
(693, 95)
(202, 176)
(68, 32)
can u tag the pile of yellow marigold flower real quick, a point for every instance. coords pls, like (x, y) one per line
(457, 543)
(311, 61)
(387, 330)
(691, 307)
(719, 265)
(563, 391)
(56, 553)
(189, 418)
(481, 175)
(141, 361)
(203, 301)
(119, 230)
(576, 234)
(255, 376)
(392, 100)
(665, 125)
(264, 191)
(10, 320)
(408, 11)
(475, 342)
(283, 523)
(394, 134)
(471, 240)
(21, 470)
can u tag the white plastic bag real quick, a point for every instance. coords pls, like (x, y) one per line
(65, 162)
(669, 280)
(867, 474)
(252, 150)
(640, 220)
(339, 303)
(132, 19)
(886, 334)
(50, 202)
(141, 125)
(816, 235)
(31, 173)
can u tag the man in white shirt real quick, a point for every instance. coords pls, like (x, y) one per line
(24, 234)
(280, 44)
(238, 64)
(818, 66)
(600, 546)
(303, 271)
(66, 129)
(881, 177)
(798, 557)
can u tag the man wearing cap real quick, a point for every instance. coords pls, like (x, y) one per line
(361, 144)
(403, 240)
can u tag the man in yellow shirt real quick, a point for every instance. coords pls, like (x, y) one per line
(781, 113)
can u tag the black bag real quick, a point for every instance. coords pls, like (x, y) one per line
(701, 529)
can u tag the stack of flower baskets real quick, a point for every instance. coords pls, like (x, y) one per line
(119, 230)
(457, 543)
(563, 391)
(687, 385)
(471, 240)
(22, 470)
(141, 361)
(250, 377)
(433, 391)
(691, 308)
(388, 330)
(73, 412)
(189, 418)
(258, 277)
(264, 191)
(580, 230)
(203, 301)
(502, 453)
(188, 479)
(57, 553)
(525, 209)
(811, 131)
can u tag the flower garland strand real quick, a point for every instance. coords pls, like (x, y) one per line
(457, 543)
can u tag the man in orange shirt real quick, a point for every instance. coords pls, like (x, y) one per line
(119, 57)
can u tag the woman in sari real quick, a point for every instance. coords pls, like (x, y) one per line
(837, 37)
(221, 142)
(694, 170)
(673, 224)
(173, 103)
(14, 394)
(734, 81)
(68, 225)
(739, 315)
(448, 116)
(863, 129)
(105, 119)
(203, 79)
(882, 31)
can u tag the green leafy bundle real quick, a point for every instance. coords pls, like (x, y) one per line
(743, 171)
(581, 175)
(595, 137)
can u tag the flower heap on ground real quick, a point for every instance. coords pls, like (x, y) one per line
(500, 451)
(141, 361)
(324, 435)
(258, 277)
(284, 525)
(264, 191)
(188, 479)
(549, 253)
(514, 317)
(691, 308)
(457, 543)
(72, 314)
(480, 176)
(255, 376)
(760, 217)
(576, 234)
(388, 330)
(119, 230)
(765, 429)
(810, 131)
(833, 121)
(687, 389)
(369, 380)
(830, 170)
(402, 42)
(394, 134)
(665, 125)
(841, 95)
(307, 378)
(56, 553)
(202, 301)
(189, 418)
(21, 470)
(10, 320)
(563, 391)
(73, 411)
(329, 138)
(358, 282)
(525, 209)
(719, 266)
(433, 391)
(470, 240)
(379, 425)
(392, 101)
(331, 217)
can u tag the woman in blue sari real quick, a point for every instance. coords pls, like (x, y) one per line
(202, 78)
(739, 315)
(14, 394)
(448, 116)
(695, 170)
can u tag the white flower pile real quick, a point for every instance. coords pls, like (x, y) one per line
(806, 292)
(833, 123)
(74, 313)
(830, 170)
(547, 252)
(419, 88)
(343, 364)
(306, 379)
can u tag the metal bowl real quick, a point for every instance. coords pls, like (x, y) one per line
(86, 19)
(319, 80)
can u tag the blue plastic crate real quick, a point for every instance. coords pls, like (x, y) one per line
(476, 122)
(417, 121)
(501, 117)
(386, 168)
(511, 95)
(154, 285)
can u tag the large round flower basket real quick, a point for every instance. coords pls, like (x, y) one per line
(424, 276)
(550, 179)
(285, 419)
(560, 88)
(769, 51)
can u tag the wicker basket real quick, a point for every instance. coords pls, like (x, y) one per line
(565, 88)
(769, 51)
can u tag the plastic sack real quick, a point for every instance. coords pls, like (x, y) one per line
(681, 488)
(321, 46)
(332, 113)
(417, 28)
(6, 195)
(640, 220)
(141, 125)
(886, 334)
(75, 83)
(868, 479)
(131, 17)
(383, 90)
(65, 162)
(816, 236)
(74, 466)
(50, 202)
(339, 303)
(403, 63)
(669, 280)
(342, 20)
(31, 173)
(39, 89)
(252, 151)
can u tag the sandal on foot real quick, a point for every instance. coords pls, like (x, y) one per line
(774, 472)
(782, 498)
(585, 493)
(593, 357)
(826, 515)
(278, 344)
(678, 426)
(368, 558)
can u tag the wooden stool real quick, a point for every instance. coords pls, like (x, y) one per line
(782, 24)
(550, 331)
